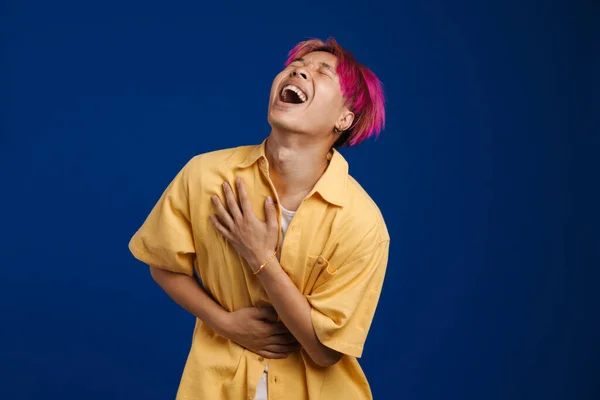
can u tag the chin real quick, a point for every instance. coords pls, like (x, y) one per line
(282, 125)
(283, 120)
(290, 118)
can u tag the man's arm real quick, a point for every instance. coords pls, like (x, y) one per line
(255, 329)
(334, 319)
(295, 311)
(187, 292)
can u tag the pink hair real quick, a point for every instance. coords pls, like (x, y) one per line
(361, 89)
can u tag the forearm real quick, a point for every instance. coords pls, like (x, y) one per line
(295, 311)
(187, 293)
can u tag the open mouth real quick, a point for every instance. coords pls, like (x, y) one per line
(292, 94)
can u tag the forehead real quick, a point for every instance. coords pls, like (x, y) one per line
(322, 57)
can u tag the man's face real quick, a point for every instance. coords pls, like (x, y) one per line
(306, 97)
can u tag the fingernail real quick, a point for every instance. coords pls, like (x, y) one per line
(238, 179)
(269, 200)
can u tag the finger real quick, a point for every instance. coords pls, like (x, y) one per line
(221, 228)
(271, 213)
(282, 339)
(244, 200)
(267, 314)
(277, 328)
(270, 354)
(222, 213)
(232, 205)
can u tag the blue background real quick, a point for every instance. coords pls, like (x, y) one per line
(490, 291)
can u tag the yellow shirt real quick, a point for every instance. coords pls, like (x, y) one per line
(335, 251)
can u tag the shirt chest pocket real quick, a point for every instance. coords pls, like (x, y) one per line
(319, 271)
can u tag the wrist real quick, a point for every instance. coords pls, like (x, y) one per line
(260, 259)
(221, 323)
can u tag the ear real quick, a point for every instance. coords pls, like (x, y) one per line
(345, 120)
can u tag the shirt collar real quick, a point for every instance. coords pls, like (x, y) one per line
(257, 153)
(331, 186)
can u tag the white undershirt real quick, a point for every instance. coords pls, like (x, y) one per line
(286, 219)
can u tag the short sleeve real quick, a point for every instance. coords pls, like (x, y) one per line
(344, 305)
(165, 239)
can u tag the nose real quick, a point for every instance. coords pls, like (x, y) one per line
(301, 72)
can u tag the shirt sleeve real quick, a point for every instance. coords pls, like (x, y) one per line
(343, 306)
(165, 239)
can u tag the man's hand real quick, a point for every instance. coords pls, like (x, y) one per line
(258, 330)
(253, 239)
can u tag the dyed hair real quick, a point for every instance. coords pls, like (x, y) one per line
(362, 90)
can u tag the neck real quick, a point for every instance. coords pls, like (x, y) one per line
(295, 166)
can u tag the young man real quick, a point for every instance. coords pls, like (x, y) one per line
(291, 251)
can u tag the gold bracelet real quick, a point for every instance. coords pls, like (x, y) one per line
(265, 263)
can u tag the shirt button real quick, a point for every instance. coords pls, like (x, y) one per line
(261, 359)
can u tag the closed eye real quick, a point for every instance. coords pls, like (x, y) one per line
(326, 72)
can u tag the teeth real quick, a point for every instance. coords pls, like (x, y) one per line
(296, 90)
